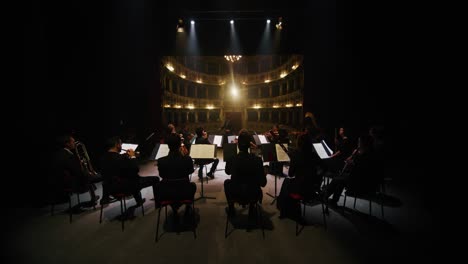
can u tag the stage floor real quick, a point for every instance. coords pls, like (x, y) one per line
(34, 236)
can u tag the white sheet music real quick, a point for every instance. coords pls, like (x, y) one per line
(163, 151)
(321, 151)
(218, 140)
(281, 155)
(232, 139)
(329, 150)
(263, 139)
(202, 151)
(126, 146)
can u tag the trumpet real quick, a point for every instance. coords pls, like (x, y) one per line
(83, 157)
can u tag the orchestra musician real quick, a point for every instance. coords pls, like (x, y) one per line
(170, 130)
(304, 179)
(186, 136)
(202, 138)
(174, 169)
(120, 172)
(277, 135)
(69, 172)
(359, 173)
(247, 176)
(227, 128)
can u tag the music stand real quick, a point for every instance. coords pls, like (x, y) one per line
(216, 139)
(159, 151)
(203, 151)
(260, 139)
(324, 152)
(274, 152)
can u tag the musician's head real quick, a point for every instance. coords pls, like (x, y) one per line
(200, 131)
(66, 141)
(114, 143)
(341, 132)
(170, 128)
(243, 140)
(173, 142)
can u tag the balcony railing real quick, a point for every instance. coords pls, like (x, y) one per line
(173, 66)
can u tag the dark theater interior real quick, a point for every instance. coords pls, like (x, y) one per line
(302, 80)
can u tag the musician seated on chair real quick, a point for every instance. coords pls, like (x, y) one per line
(247, 175)
(202, 138)
(343, 150)
(360, 173)
(175, 169)
(305, 182)
(65, 162)
(120, 172)
(186, 136)
(277, 135)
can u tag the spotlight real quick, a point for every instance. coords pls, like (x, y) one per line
(192, 22)
(279, 25)
(268, 21)
(232, 22)
(180, 25)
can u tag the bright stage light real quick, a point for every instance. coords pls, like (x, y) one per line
(234, 90)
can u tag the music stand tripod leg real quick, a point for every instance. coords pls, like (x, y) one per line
(275, 195)
(202, 195)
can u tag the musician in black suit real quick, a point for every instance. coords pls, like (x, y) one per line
(68, 171)
(227, 125)
(202, 138)
(120, 172)
(247, 174)
(174, 169)
(227, 128)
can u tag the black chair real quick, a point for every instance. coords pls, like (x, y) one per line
(121, 197)
(370, 195)
(69, 191)
(309, 201)
(174, 192)
(245, 202)
(165, 203)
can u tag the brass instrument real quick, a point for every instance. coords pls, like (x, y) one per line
(83, 157)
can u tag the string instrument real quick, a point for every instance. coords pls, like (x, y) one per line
(349, 161)
(183, 149)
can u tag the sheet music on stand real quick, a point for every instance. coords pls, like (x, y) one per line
(159, 151)
(126, 146)
(216, 139)
(203, 151)
(323, 150)
(274, 152)
(232, 139)
(260, 139)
